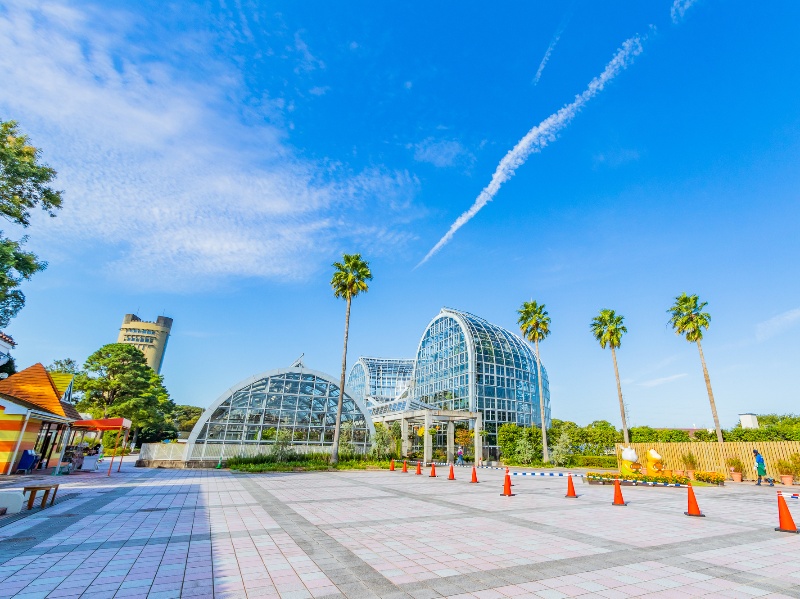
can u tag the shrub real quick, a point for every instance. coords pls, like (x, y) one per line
(795, 460)
(689, 461)
(562, 450)
(593, 461)
(710, 477)
(785, 468)
(735, 464)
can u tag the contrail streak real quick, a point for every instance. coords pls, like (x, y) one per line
(542, 134)
(546, 57)
(551, 47)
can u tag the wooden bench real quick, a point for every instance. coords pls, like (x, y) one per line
(35, 489)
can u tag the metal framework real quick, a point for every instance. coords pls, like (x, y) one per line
(296, 399)
(464, 362)
(429, 418)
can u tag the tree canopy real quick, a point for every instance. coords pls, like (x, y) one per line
(24, 185)
(350, 276)
(608, 328)
(116, 381)
(66, 365)
(687, 317)
(533, 321)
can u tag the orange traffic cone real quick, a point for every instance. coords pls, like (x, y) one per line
(507, 486)
(474, 475)
(508, 474)
(618, 500)
(433, 470)
(570, 488)
(785, 521)
(405, 466)
(452, 475)
(391, 465)
(694, 509)
(419, 468)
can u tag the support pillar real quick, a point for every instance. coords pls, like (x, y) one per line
(478, 439)
(451, 432)
(404, 448)
(427, 441)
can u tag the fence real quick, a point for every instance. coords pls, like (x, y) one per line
(215, 451)
(711, 458)
(162, 451)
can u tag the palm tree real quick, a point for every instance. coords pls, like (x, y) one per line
(535, 326)
(349, 279)
(689, 320)
(608, 329)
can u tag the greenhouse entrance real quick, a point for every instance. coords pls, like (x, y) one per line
(429, 420)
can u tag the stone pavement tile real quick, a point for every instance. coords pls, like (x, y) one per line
(550, 594)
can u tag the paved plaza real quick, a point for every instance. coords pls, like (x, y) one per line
(213, 533)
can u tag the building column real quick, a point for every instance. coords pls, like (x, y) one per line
(478, 439)
(451, 431)
(404, 448)
(427, 441)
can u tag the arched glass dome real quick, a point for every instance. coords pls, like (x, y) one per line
(296, 399)
(377, 381)
(466, 363)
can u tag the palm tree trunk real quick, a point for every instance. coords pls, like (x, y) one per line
(337, 429)
(545, 451)
(710, 393)
(621, 403)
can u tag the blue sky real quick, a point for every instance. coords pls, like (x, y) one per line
(217, 158)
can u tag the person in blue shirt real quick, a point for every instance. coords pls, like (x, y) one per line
(761, 468)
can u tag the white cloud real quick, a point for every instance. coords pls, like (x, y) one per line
(777, 324)
(541, 135)
(319, 90)
(616, 157)
(442, 152)
(551, 47)
(663, 380)
(679, 8)
(161, 171)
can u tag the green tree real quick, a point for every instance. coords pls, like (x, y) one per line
(688, 319)
(562, 450)
(350, 278)
(383, 443)
(113, 376)
(16, 265)
(24, 185)
(534, 323)
(67, 365)
(608, 329)
(185, 417)
(8, 367)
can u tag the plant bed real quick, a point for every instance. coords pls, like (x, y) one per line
(595, 478)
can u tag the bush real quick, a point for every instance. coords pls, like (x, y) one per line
(308, 461)
(735, 464)
(593, 461)
(785, 468)
(689, 461)
(709, 477)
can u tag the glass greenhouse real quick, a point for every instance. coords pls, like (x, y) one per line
(466, 363)
(302, 401)
(379, 381)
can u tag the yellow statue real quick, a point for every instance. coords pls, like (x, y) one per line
(655, 466)
(630, 462)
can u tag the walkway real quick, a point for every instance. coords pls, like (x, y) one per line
(209, 533)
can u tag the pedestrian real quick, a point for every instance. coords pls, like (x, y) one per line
(460, 460)
(761, 469)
